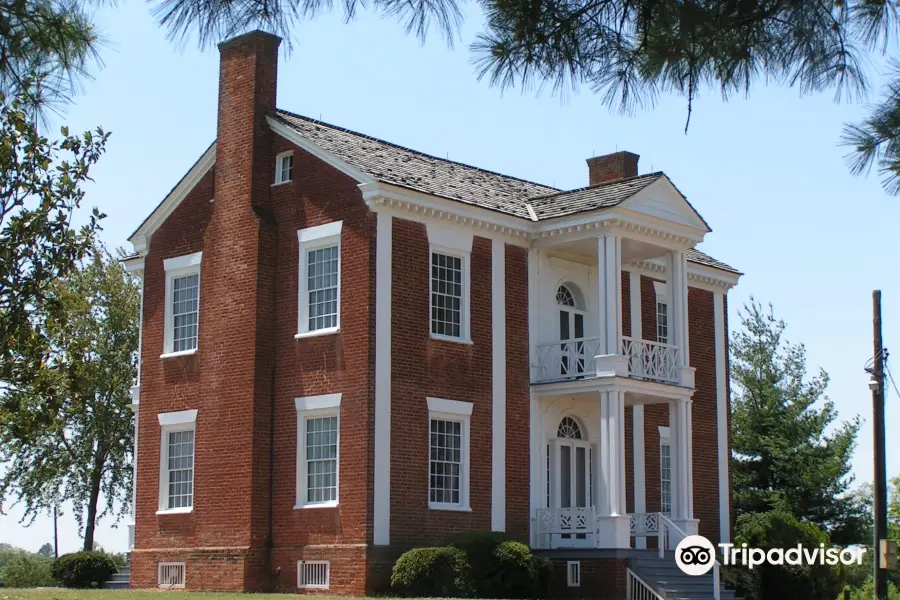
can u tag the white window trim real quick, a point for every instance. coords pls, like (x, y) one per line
(179, 266)
(278, 158)
(465, 336)
(570, 580)
(664, 440)
(173, 422)
(662, 297)
(460, 412)
(308, 239)
(314, 407)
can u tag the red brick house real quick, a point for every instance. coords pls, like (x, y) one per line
(350, 348)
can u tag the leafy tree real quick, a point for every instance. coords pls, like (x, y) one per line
(81, 448)
(786, 455)
(41, 185)
(46, 550)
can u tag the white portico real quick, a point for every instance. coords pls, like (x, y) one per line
(585, 370)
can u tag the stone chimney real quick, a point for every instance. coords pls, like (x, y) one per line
(612, 167)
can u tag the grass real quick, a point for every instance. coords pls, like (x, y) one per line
(63, 594)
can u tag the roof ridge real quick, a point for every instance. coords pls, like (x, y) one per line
(598, 185)
(414, 151)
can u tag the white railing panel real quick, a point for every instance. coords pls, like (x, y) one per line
(644, 524)
(565, 527)
(637, 589)
(651, 360)
(567, 359)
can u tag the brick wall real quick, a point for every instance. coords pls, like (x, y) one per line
(423, 367)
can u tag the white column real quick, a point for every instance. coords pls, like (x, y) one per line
(637, 411)
(498, 379)
(382, 491)
(609, 307)
(682, 465)
(613, 522)
(722, 416)
(535, 438)
(135, 408)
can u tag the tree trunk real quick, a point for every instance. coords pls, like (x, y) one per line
(96, 475)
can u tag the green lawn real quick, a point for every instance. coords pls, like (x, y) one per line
(61, 594)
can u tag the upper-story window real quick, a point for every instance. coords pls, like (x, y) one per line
(662, 313)
(449, 283)
(446, 295)
(571, 327)
(182, 314)
(284, 167)
(176, 461)
(319, 298)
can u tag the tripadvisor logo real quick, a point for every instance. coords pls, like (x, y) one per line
(695, 555)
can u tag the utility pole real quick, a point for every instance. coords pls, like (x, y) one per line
(55, 536)
(880, 495)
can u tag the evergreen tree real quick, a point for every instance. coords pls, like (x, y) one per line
(789, 452)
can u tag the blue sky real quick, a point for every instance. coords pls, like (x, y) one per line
(765, 172)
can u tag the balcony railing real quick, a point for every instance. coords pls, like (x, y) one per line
(568, 359)
(651, 360)
(574, 359)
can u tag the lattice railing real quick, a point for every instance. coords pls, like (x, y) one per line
(651, 360)
(567, 359)
(555, 526)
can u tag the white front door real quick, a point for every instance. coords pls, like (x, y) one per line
(571, 483)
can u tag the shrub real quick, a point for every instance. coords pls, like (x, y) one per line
(23, 570)
(790, 582)
(432, 572)
(83, 569)
(503, 567)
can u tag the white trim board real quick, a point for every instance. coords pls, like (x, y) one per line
(141, 237)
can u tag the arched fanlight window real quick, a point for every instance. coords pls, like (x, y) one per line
(569, 428)
(564, 296)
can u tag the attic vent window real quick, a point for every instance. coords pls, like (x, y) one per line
(284, 167)
(313, 574)
(171, 575)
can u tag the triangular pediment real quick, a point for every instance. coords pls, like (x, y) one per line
(662, 200)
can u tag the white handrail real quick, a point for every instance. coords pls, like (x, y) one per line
(668, 524)
(637, 589)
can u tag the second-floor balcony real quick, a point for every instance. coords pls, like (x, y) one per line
(577, 359)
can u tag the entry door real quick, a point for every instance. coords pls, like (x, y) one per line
(572, 477)
(571, 326)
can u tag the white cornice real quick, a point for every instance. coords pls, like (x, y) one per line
(418, 206)
(699, 276)
(140, 239)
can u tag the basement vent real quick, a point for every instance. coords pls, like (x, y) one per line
(313, 574)
(573, 573)
(171, 575)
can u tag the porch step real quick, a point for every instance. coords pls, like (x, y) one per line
(671, 583)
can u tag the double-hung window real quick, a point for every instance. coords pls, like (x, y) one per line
(318, 450)
(448, 263)
(176, 461)
(284, 167)
(665, 472)
(662, 313)
(319, 299)
(182, 312)
(448, 448)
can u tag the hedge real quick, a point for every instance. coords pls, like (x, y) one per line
(432, 572)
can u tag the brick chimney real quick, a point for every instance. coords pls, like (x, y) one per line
(237, 307)
(612, 167)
